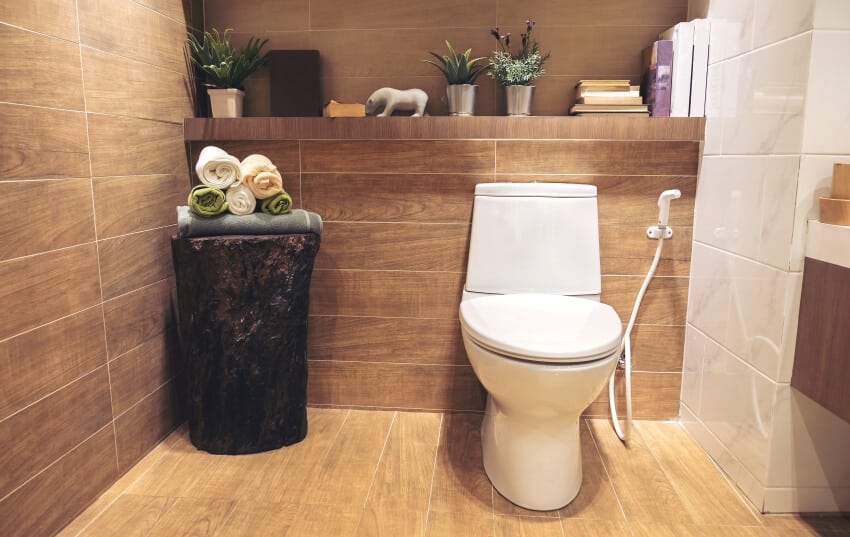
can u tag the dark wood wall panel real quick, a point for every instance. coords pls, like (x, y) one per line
(655, 396)
(146, 424)
(135, 203)
(141, 371)
(131, 146)
(821, 365)
(398, 156)
(133, 261)
(57, 18)
(134, 318)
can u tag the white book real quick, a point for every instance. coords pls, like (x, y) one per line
(699, 70)
(682, 36)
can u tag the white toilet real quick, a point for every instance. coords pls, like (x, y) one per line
(536, 334)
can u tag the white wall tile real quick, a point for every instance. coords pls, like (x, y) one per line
(767, 117)
(793, 289)
(692, 368)
(737, 406)
(708, 294)
(806, 500)
(775, 20)
(832, 14)
(815, 180)
(731, 28)
(714, 110)
(779, 192)
(706, 439)
(827, 125)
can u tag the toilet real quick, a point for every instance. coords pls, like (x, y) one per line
(536, 334)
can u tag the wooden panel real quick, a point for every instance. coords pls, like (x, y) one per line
(71, 484)
(386, 293)
(253, 519)
(637, 477)
(193, 516)
(655, 396)
(44, 143)
(45, 287)
(134, 318)
(43, 432)
(149, 37)
(66, 204)
(646, 529)
(130, 515)
(141, 371)
(133, 261)
(258, 15)
(595, 528)
(625, 250)
(315, 520)
(478, 524)
(597, 157)
(39, 362)
(395, 128)
(403, 479)
(665, 301)
(329, 14)
(657, 348)
(145, 425)
(507, 526)
(391, 198)
(124, 87)
(176, 9)
(52, 17)
(440, 247)
(371, 339)
(628, 199)
(692, 473)
(390, 523)
(348, 467)
(157, 148)
(597, 13)
(397, 156)
(135, 203)
(821, 368)
(460, 484)
(410, 386)
(39, 70)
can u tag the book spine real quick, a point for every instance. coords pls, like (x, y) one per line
(663, 79)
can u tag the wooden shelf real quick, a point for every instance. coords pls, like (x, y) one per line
(443, 127)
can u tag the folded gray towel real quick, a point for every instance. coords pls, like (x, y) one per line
(296, 221)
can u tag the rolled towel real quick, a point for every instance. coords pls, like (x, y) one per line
(207, 201)
(217, 169)
(240, 200)
(280, 203)
(261, 176)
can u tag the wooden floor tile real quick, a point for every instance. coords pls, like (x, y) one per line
(84, 519)
(647, 529)
(596, 498)
(177, 470)
(391, 523)
(193, 516)
(330, 520)
(471, 524)
(523, 526)
(228, 476)
(636, 478)
(460, 483)
(349, 466)
(130, 516)
(707, 495)
(594, 528)
(403, 479)
(259, 519)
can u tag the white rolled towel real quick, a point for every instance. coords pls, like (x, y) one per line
(240, 200)
(217, 169)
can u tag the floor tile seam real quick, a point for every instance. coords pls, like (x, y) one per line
(605, 469)
(434, 472)
(380, 458)
(235, 503)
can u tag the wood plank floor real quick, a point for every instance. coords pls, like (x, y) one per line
(373, 473)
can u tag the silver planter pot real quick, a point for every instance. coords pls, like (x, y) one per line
(461, 99)
(519, 99)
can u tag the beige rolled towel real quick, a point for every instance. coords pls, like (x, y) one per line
(261, 176)
(240, 200)
(217, 169)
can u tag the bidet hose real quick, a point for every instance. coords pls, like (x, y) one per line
(626, 352)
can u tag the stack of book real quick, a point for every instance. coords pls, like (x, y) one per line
(604, 97)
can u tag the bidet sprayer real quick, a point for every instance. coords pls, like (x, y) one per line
(664, 205)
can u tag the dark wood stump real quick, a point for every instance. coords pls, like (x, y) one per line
(242, 308)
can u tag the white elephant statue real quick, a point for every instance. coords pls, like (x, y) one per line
(392, 99)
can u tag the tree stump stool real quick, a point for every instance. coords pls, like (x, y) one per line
(242, 309)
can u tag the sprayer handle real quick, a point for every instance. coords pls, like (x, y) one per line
(664, 205)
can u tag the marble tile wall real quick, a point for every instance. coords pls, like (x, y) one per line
(776, 122)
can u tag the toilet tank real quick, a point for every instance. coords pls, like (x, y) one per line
(534, 238)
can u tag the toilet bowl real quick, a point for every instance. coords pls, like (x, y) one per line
(542, 359)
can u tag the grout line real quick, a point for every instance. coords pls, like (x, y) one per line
(605, 468)
(380, 458)
(434, 470)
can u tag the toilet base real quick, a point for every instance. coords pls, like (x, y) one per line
(534, 464)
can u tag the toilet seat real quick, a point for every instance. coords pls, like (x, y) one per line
(543, 328)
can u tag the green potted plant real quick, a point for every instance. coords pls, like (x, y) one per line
(516, 71)
(461, 72)
(224, 69)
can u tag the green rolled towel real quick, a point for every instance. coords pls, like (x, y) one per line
(280, 203)
(207, 201)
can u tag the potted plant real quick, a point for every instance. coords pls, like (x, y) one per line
(461, 72)
(224, 69)
(516, 71)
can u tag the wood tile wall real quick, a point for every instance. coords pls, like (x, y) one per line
(368, 44)
(92, 163)
(384, 329)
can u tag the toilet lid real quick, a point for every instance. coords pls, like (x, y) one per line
(539, 327)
